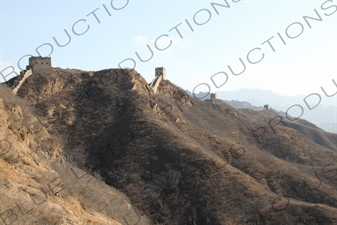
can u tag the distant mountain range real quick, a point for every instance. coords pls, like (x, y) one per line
(324, 115)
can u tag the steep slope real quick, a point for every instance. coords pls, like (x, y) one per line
(311, 131)
(182, 160)
(38, 186)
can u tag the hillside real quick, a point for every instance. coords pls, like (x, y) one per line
(323, 115)
(172, 158)
(38, 183)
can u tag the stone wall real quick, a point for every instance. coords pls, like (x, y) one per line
(155, 83)
(16, 82)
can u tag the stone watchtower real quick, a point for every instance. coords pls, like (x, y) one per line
(40, 64)
(213, 97)
(161, 71)
(267, 107)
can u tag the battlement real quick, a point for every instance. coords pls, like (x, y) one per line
(213, 97)
(160, 71)
(266, 107)
(40, 64)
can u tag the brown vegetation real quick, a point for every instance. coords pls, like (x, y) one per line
(179, 160)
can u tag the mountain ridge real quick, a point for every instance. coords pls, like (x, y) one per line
(175, 159)
(322, 116)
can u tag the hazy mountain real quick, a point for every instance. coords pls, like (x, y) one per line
(241, 104)
(276, 100)
(330, 127)
(323, 115)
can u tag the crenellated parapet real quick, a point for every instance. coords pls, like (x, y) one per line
(40, 64)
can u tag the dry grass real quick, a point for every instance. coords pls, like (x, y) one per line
(33, 169)
(132, 139)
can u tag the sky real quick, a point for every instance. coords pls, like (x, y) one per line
(207, 37)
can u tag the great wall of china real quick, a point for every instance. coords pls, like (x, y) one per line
(160, 74)
(43, 65)
(36, 65)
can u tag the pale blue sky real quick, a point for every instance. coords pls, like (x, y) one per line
(301, 67)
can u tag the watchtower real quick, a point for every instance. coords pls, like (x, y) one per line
(267, 107)
(40, 64)
(160, 71)
(213, 97)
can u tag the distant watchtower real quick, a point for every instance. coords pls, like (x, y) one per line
(161, 71)
(40, 64)
(267, 107)
(213, 97)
